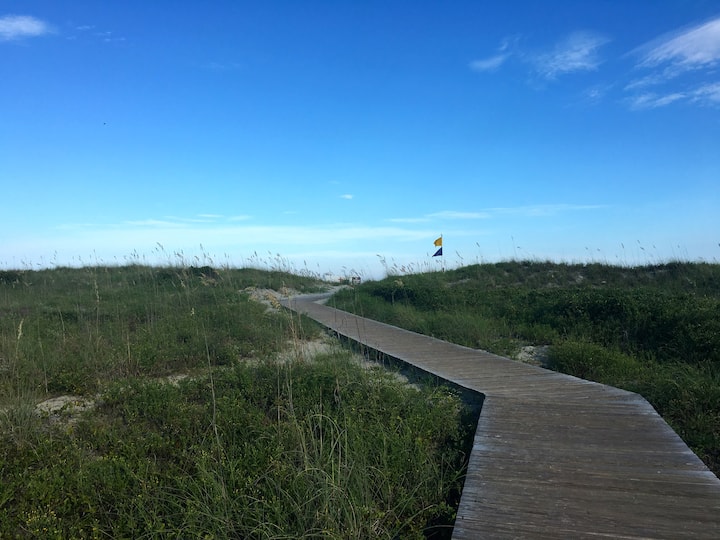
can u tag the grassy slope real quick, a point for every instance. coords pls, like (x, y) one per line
(654, 330)
(246, 446)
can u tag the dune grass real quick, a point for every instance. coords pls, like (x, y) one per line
(204, 417)
(654, 329)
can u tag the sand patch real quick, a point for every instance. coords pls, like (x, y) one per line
(536, 355)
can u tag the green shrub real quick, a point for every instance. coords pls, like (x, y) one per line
(595, 362)
(651, 329)
(325, 448)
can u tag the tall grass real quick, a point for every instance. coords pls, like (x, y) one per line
(652, 329)
(70, 330)
(252, 443)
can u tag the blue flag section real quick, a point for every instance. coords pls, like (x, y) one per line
(438, 253)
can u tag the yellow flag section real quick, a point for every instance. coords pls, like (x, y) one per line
(438, 243)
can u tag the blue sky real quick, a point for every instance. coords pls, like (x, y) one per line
(346, 136)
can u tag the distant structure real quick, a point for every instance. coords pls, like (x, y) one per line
(347, 280)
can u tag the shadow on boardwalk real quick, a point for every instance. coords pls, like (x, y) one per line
(554, 456)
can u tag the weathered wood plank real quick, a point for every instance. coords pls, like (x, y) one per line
(554, 456)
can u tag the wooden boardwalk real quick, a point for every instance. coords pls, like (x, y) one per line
(554, 456)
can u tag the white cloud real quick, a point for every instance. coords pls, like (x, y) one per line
(596, 93)
(346, 196)
(693, 53)
(125, 237)
(20, 26)
(707, 93)
(650, 100)
(200, 218)
(489, 64)
(541, 210)
(578, 52)
(647, 80)
(451, 214)
(508, 47)
(409, 220)
(335, 246)
(490, 213)
(153, 223)
(690, 49)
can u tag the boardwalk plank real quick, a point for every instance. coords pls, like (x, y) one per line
(554, 456)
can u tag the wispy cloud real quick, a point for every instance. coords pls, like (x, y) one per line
(651, 100)
(680, 67)
(507, 48)
(171, 232)
(346, 196)
(707, 93)
(577, 52)
(538, 210)
(409, 220)
(489, 64)
(683, 50)
(646, 81)
(108, 37)
(452, 214)
(667, 59)
(91, 32)
(21, 26)
(596, 93)
(160, 223)
(542, 210)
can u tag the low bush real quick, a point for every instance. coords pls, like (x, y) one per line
(326, 448)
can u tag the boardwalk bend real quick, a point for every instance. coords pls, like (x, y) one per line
(554, 456)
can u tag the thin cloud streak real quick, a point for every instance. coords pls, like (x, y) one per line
(449, 214)
(159, 223)
(544, 210)
(188, 231)
(490, 213)
(132, 239)
(409, 220)
(651, 100)
(489, 64)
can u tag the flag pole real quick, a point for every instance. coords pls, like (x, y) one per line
(442, 258)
